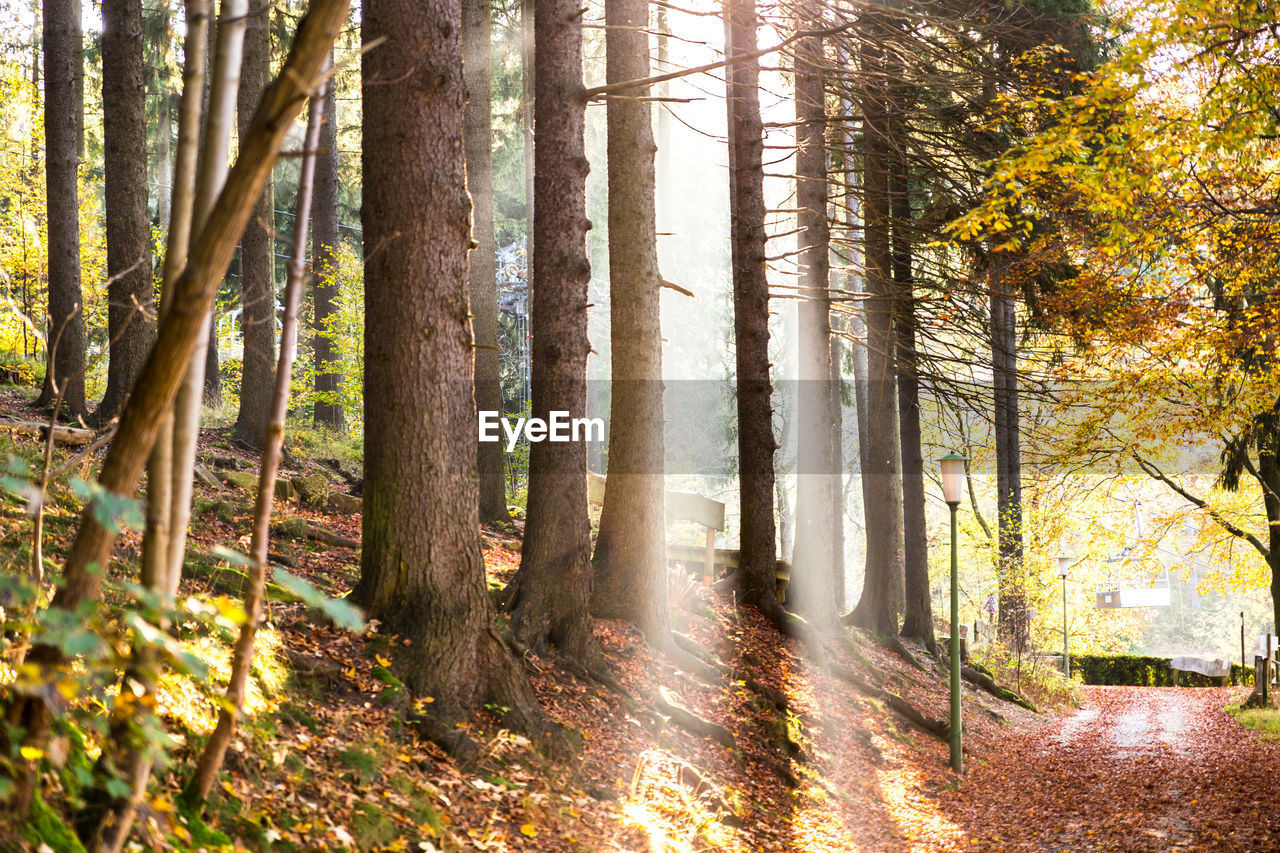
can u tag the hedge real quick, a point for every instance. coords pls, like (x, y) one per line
(1142, 671)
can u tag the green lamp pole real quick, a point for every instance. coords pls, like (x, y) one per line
(952, 487)
(1064, 563)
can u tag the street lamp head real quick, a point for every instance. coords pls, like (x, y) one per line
(1064, 563)
(952, 477)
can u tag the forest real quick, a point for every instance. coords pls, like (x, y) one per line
(785, 425)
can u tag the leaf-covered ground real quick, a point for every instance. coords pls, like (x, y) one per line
(325, 763)
(1137, 769)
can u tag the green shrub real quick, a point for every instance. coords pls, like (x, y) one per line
(1142, 671)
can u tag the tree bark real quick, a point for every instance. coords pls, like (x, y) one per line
(882, 595)
(756, 443)
(422, 573)
(630, 558)
(483, 279)
(63, 111)
(1004, 365)
(817, 483)
(328, 410)
(257, 251)
(549, 596)
(917, 623)
(130, 294)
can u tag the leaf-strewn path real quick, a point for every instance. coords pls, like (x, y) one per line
(1137, 769)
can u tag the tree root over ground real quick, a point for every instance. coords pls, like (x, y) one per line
(937, 728)
(988, 684)
(666, 704)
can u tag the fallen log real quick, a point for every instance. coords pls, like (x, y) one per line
(61, 434)
(298, 528)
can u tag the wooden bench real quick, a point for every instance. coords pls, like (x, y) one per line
(691, 506)
(685, 506)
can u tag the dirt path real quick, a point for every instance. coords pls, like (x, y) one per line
(1136, 769)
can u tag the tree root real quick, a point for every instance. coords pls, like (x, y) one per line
(691, 722)
(937, 728)
(692, 656)
(988, 684)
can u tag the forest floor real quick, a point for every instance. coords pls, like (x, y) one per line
(790, 750)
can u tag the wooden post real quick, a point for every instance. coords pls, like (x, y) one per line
(710, 572)
(1241, 648)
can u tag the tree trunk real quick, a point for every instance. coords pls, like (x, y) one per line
(210, 385)
(917, 623)
(837, 454)
(478, 136)
(630, 557)
(549, 595)
(215, 749)
(818, 486)
(257, 251)
(421, 569)
(215, 149)
(130, 294)
(756, 444)
(528, 74)
(1004, 365)
(882, 594)
(1269, 471)
(157, 535)
(63, 109)
(328, 410)
(176, 342)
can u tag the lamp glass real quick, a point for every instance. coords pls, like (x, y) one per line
(952, 477)
(1064, 563)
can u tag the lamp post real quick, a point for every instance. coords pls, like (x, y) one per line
(952, 486)
(1064, 562)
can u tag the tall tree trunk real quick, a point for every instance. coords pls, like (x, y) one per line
(1269, 479)
(422, 573)
(130, 294)
(756, 444)
(156, 561)
(882, 594)
(818, 485)
(478, 136)
(63, 117)
(630, 558)
(549, 595)
(257, 251)
(215, 750)
(215, 149)
(917, 620)
(528, 75)
(837, 455)
(328, 410)
(1004, 366)
(176, 343)
(211, 389)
